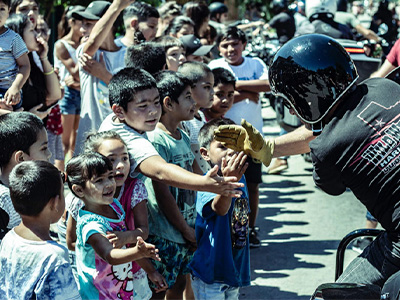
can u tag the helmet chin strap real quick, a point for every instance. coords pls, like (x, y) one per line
(317, 128)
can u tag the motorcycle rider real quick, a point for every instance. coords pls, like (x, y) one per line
(357, 144)
(321, 14)
(283, 21)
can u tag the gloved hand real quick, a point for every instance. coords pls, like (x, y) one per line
(247, 139)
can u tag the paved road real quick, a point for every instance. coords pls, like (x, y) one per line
(300, 230)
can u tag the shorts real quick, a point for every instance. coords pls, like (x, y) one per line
(55, 147)
(253, 173)
(71, 103)
(214, 291)
(175, 259)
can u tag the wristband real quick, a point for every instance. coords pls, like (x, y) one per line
(43, 58)
(49, 73)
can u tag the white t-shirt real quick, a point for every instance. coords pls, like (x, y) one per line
(252, 68)
(39, 267)
(139, 147)
(95, 106)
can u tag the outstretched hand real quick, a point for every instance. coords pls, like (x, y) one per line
(147, 250)
(225, 186)
(246, 138)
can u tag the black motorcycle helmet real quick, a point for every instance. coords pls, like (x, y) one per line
(312, 72)
(279, 6)
(217, 8)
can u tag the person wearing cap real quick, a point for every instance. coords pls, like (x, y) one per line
(252, 78)
(141, 23)
(99, 59)
(195, 50)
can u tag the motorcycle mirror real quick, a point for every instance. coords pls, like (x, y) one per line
(339, 291)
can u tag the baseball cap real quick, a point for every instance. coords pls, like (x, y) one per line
(193, 46)
(94, 11)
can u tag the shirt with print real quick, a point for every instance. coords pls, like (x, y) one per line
(35, 270)
(223, 253)
(360, 149)
(176, 152)
(252, 68)
(97, 278)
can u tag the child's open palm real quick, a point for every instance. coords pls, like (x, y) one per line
(146, 250)
(236, 166)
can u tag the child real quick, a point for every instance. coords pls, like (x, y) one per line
(132, 195)
(101, 51)
(22, 137)
(251, 74)
(221, 263)
(224, 90)
(141, 23)
(195, 50)
(15, 66)
(203, 93)
(104, 270)
(32, 265)
(148, 56)
(174, 51)
(136, 104)
(172, 210)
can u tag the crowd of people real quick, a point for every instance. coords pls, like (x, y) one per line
(157, 132)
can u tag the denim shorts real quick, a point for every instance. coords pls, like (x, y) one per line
(55, 147)
(175, 259)
(376, 264)
(71, 103)
(214, 291)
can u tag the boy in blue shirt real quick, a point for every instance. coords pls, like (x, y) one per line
(221, 263)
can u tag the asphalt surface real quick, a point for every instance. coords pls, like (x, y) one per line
(300, 229)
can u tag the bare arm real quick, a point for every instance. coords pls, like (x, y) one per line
(13, 94)
(242, 95)
(156, 168)
(66, 59)
(385, 69)
(115, 256)
(295, 142)
(256, 86)
(168, 206)
(367, 33)
(71, 233)
(104, 25)
(121, 238)
(235, 167)
(52, 84)
(23, 72)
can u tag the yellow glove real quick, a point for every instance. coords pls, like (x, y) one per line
(247, 139)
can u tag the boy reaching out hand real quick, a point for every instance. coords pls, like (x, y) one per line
(221, 262)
